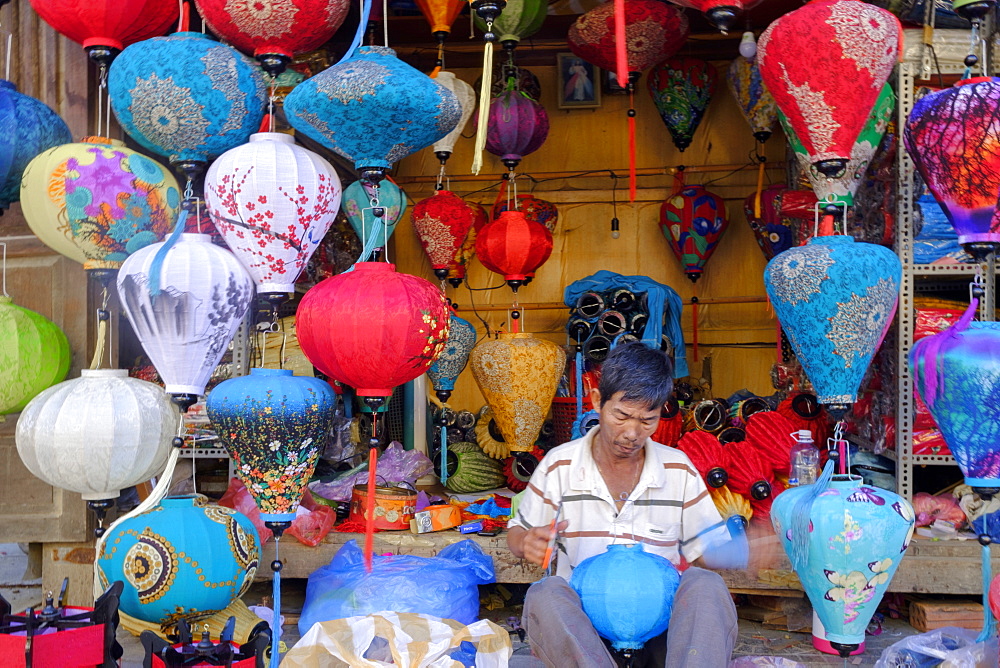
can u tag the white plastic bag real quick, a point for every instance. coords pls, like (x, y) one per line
(928, 650)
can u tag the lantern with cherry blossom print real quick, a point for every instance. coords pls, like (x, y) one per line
(442, 222)
(272, 201)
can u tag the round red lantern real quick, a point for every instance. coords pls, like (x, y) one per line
(442, 223)
(373, 328)
(514, 247)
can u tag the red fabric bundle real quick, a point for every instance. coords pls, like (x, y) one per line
(771, 434)
(669, 430)
(804, 412)
(707, 455)
(749, 473)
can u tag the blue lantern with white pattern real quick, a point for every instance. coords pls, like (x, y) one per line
(373, 109)
(27, 127)
(452, 360)
(835, 299)
(187, 97)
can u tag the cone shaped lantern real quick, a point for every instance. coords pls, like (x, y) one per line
(34, 355)
(756, 104)
(453, 358)
(681, 89)
(693, 220)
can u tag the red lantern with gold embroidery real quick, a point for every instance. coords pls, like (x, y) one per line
(442, 222)
(828, 95)
(463, 256)
(514, 247)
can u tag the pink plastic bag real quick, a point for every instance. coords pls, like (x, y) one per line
(238, 498)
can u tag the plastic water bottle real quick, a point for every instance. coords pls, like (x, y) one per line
(804, 458)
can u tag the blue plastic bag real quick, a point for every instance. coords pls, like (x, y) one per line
(444, 586)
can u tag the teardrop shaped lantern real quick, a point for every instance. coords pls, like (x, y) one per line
(466, 97)
(828, 96)
(513, 247)
(843, 188)
(27, 127)
(534, 208)
(441, 14)
(34, 355)
(518, 374)
(372, 328)
(97, 202)
(357, 204)
(273, 202)
(185, 328)
(835, 299)
(953, 140)
(274, 31)
(723, 14)
(518, 126)
(373, 110)
(681, 89)
(442, 222)
(187, 97)
(274, 425)
(693, 220)
(453, 358)
(752, 97)
(519, 20)
(845, 541)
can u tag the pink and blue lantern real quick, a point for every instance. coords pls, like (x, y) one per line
(835, 299)
(627, 593)
(453, 358)
(27, 127)
(517, 126)
(187, 97)
(845, 541)
(373, 109)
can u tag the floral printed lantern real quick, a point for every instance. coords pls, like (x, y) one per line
(835, 299)
(756, 104)
(27, 127)
(693, 220)
(681, 89)
(513, 247)
(828, 96)
(442, 222)
(97, 202)
(34, 355)
(845, 541)
(453, 358)
(273, 201)
(357, 204)
(187, 97)
(275, 31)
(534, 208)
(518, 126)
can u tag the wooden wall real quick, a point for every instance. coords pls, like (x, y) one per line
(583, 140)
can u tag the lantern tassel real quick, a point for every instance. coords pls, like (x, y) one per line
(800, 523)
(156, 267)
(621, 44)
(579, 381)
(632, 186)
(484, 106)
(694, 326)
(989, 621)
(760, 186)
(444, 454)
(370, 502)
(276, 602)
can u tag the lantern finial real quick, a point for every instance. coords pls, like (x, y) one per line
(723, 18)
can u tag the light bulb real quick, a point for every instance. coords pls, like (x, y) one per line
(614, 229)
(748, 45)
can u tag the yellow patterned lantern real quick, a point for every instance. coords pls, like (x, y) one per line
(518, 375)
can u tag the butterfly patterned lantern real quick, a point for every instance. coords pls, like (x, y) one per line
(693, 220)
(755, 102)
(442, 222)
(187, 97)
(519, 20)
(97, 202)
(952, 137)
(466, 97)
(453, 358)
(835, 299)
(185, 311)
(273, 202)
(27, 127)
(513, 247)
(518, 126)
(681, 89)
(723, 14)
(274, 31)
(843, 188)
(390, 108)
(358, 204)
(534, 208)
(845, 541)
(827, 97)
(34, 355)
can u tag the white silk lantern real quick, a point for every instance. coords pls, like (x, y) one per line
(186, 328)
(97, 434)
(467, 101)
(273, 202)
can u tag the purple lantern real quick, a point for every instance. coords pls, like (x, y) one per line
(518, 126)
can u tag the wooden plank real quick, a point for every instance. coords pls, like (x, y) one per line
(74, 561)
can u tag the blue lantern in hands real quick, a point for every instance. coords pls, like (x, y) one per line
(454, 357)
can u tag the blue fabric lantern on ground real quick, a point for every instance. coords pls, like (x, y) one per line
(454, 357)
(182, 559)
(835, 299)
(27, 127)
(845, 541)
(627, 593)
(373, 109)
(187, 97)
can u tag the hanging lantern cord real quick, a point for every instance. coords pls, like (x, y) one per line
(837, 448)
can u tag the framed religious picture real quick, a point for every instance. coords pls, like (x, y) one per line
(579, 83)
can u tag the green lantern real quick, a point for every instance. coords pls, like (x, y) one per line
(518, 20)
(34, 355)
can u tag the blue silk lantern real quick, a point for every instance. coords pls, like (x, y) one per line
(27, 127)
(835, 299)
(845, 541)
(373, 109)
(357, 205)
(187, 97)
(180, 560)
(627, 593)
(454, 357)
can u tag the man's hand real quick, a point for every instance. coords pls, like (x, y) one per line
(531, 544)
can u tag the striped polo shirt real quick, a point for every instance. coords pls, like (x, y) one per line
(670, 511)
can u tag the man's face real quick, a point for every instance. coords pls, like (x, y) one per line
(625, 425)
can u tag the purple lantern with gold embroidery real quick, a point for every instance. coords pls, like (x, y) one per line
(518, 126)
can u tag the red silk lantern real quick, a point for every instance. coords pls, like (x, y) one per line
(514, 247)
(517, 126)
(105, 27)
(654, 31)
(274, 30)
(372, 328)
(442, 222)
(828, 94)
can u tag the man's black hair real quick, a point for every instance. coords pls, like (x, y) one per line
(640, 373)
